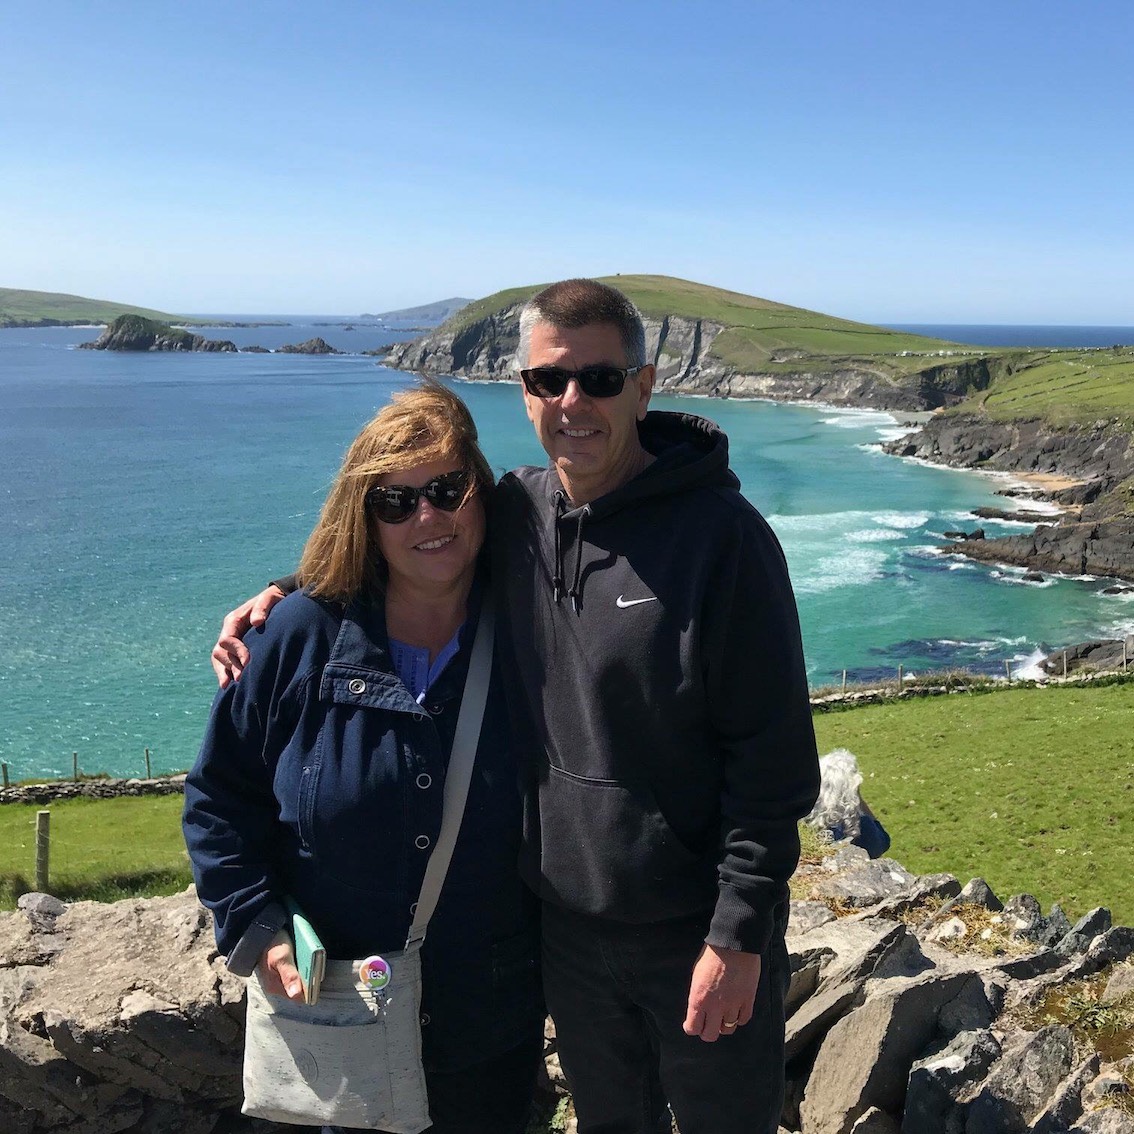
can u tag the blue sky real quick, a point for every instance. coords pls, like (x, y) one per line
(884, 161)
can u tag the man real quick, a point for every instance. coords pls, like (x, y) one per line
(661, 698)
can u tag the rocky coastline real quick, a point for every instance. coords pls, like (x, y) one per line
(1092, 534)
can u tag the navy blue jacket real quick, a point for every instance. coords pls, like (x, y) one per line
(321, 777)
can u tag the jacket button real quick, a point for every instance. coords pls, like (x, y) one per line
(421, 842)
(424, 1019)
(413, 909)
(356, 685)
(424, 780)
(436, 709)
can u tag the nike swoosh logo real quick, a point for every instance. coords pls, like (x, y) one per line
(623, 603)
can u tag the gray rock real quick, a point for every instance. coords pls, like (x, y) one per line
(805, 973)
(1108, 1121)
(939, 1081)
(976, 892)
(1066, 1104)
(1024, 916)
(867, 884)
(875, 1121)
(974, 1008)
(43, 905)
(1106, 1088)
(1033, 965)
(1079, 937)
(1056, 926)
(921, 889)
(866, 1057)
(806, 916)
(859, 949)
(1031, 1067)
(1121, 983)
(1109, 948)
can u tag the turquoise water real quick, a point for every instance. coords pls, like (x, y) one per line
(141, 496)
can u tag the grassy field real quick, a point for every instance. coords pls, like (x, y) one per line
(30, 307)
(1063, 387)
(1030, 788)
(101, 849)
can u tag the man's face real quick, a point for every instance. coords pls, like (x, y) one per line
(592, 441)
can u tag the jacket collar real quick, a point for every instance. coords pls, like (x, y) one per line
(361, 668)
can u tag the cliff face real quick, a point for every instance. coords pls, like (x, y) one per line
(681, 349)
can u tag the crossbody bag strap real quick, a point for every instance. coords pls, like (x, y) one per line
(459, 773)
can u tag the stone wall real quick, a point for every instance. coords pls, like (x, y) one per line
(914, 1010)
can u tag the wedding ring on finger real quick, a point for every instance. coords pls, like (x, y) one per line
(729, 1024)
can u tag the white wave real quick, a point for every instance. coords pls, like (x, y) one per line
(1026, 667)
(850, 568)
(823, 523)
(858, 419)
(874, 535)
(901, 519)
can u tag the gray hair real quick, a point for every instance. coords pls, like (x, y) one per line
(570, 304)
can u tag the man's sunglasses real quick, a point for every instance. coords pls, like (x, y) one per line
(395, 503)
(594, 381)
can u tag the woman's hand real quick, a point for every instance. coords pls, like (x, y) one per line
(277, 968)
(230, 654)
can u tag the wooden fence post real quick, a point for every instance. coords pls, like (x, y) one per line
(148, 776)
(42, 849)
(74, 766)
(844, 682)
(899, 679)
(1064, 663)
(1008, 671)
(4, 768)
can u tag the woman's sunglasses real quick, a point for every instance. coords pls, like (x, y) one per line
(594, 381)
(395, 503)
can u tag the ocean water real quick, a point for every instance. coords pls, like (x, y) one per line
(142, 496)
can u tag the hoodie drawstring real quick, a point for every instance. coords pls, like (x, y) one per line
(584, 512)
(557, 582)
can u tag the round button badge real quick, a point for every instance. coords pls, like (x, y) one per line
(375, 973)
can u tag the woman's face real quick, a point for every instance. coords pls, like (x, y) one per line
(432, 551)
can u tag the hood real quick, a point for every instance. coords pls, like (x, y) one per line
(690, 452)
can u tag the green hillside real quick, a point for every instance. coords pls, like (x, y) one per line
(760, 334)
(53, 309)
(765, 337)
(1063, 387)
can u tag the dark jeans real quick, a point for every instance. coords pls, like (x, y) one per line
(618, 996)
(493, 1097)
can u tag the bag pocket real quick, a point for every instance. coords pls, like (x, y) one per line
(339, 1062)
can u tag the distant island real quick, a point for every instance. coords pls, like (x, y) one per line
(1063, 415)
(134, 333)
(429, 314)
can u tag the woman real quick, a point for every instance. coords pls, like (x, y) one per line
(321, 774)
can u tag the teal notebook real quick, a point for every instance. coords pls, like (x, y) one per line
(310, 956)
